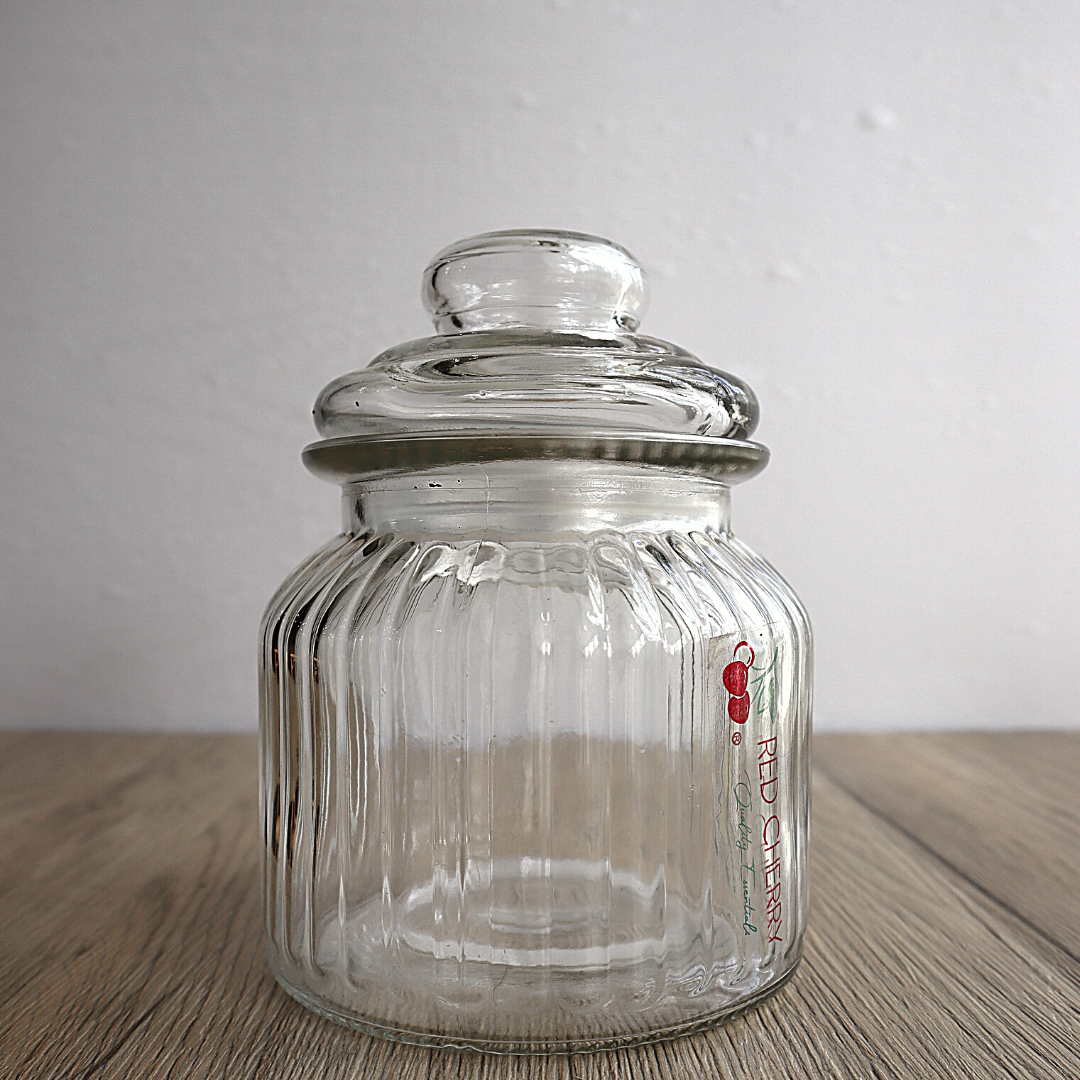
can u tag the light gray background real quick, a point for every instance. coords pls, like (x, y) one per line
(869, 210)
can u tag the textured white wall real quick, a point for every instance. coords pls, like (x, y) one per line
(869, 210)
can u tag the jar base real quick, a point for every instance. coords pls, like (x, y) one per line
(525, 1045)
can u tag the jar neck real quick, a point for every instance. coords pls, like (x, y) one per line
(535, 499)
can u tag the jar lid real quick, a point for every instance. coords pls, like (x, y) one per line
(535, 357)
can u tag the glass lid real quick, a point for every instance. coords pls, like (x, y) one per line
(535, 357)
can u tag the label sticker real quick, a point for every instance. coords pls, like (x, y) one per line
(750, 677)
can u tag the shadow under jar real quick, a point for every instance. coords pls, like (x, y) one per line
(535, 725)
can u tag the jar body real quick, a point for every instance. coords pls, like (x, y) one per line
(534, 761)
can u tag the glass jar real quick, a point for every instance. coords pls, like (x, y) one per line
(535, 725)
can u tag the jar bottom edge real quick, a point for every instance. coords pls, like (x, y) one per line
(543, 1047)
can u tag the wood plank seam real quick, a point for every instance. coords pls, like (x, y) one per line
(1034, 927)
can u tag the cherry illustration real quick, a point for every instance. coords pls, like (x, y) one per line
(738, 708)
(749, 649)
(735, 678)
(735, 674)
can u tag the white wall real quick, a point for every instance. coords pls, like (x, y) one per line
(869, 210)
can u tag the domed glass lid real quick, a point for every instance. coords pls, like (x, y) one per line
(535, 356)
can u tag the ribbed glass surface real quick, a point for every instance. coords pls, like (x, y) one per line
(508, 801)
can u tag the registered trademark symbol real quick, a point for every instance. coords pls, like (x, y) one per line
(736, 738)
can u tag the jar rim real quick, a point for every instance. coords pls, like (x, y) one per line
(351, 458)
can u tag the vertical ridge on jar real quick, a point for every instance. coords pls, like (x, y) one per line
(696, 615)
(316, 721)
(463, 610)
(684, 645)
(313, 722)
(601, 742)
(343, 709)
(346, 730)
(438, 812)
(291, 781)
(291, 830)
(491, 747)
(446, 767)
(634, 628)
(542, 750)
(272, 717)
(387, 693)
(384, 552)
(638, 546)
(669, 794)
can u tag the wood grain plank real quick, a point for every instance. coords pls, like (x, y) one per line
(132, 947)
(1003, 809)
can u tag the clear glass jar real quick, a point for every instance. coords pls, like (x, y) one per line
(535, 725)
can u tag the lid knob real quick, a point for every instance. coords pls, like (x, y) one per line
(535, 277)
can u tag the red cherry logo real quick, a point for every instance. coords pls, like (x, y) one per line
(738, 708)
(735, 678)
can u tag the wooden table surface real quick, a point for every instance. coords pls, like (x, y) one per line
(944, 934)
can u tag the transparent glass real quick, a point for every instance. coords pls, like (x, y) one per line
(536, 335)
(535, 726)
(535, 760)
